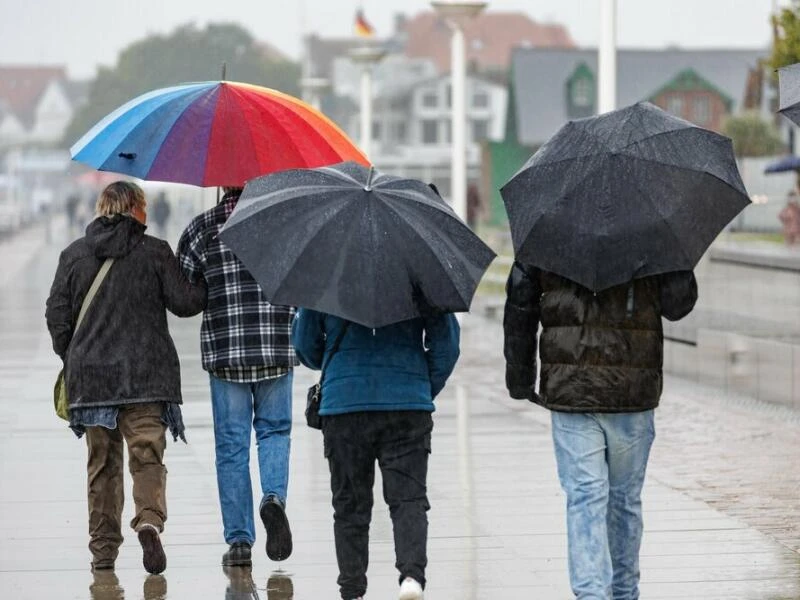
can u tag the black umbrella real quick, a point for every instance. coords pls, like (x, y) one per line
(349, 241)
(789, 92)
(627, 194)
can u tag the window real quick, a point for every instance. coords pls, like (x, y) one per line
(448, 133)
(430, 131)
(480, 130)
(376, 130)
(449, 95)
(430, 99)
(675, 105)
(400, 131)
(582, 92)
(701, 110)
(480, 99)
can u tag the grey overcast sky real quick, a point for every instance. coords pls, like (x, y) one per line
(83, 34)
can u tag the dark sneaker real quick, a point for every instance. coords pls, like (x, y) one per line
(279, 536)
(153, 557)
(238, 555)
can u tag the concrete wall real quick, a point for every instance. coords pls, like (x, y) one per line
(763, 369)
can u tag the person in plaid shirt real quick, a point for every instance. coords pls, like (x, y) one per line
(247, 351)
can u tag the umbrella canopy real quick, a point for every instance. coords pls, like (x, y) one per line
(214, 133)
(789, 92)
(627, 194)
(785, 163)
(352, 242)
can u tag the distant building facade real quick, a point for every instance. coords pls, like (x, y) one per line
(550, 86)
(412, 100)
(36, 105)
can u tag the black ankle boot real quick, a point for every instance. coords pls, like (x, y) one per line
(238, 555)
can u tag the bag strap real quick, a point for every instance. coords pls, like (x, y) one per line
(98, 279)
(334, 350)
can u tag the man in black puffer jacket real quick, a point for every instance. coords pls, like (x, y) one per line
(601, 356)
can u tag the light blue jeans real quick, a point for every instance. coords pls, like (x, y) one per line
(602, 460)
(238, 408)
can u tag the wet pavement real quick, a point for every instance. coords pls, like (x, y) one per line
(721, 501)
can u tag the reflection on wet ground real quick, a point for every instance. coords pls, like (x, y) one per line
(241, 586)
(497, 518)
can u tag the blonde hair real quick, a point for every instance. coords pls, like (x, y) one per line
(120, 198)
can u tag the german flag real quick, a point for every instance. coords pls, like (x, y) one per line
(361, 27)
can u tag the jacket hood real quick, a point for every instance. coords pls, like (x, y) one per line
(114, 236)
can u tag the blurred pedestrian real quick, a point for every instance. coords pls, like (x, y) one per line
(378, 388)
(71, 208)
(248, 354)
(601, 376)
(474, 206)
(790, 219)
(121, 366)
(161, 212)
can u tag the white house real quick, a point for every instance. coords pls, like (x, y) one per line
(36, 105)
(411, 129)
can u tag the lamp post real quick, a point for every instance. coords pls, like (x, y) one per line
(457, 14)
(607, 57)
(366, 56)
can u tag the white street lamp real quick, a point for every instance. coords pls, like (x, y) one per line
(366, 56)
(457, 14)
(607, 57)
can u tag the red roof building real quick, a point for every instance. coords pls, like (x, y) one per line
(489, 38)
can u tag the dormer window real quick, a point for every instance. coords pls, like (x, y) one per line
(581, 93)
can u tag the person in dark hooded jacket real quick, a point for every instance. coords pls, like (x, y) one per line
(601, 376)
(121, 367)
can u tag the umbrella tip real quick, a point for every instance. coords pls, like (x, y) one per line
(368, 186)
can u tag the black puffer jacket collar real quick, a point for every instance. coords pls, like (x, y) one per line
(114, 236)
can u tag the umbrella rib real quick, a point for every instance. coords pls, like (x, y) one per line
(414, 231)
(683, 168)
(310, 243)
(277, 120)
(655, 207)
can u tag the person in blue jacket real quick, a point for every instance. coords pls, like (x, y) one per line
(377, 399)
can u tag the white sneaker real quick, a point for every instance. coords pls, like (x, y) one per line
(410, 589)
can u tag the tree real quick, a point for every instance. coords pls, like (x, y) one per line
(786, 42)
(187, 54)
(753, 136)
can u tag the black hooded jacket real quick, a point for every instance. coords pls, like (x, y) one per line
(122, 353)
(600, 352)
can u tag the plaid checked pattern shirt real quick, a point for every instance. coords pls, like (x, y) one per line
(243, 337)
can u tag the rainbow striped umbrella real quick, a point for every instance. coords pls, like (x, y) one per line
(213, 133)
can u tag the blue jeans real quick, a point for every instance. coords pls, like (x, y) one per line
(238, 408)
(602, 460)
